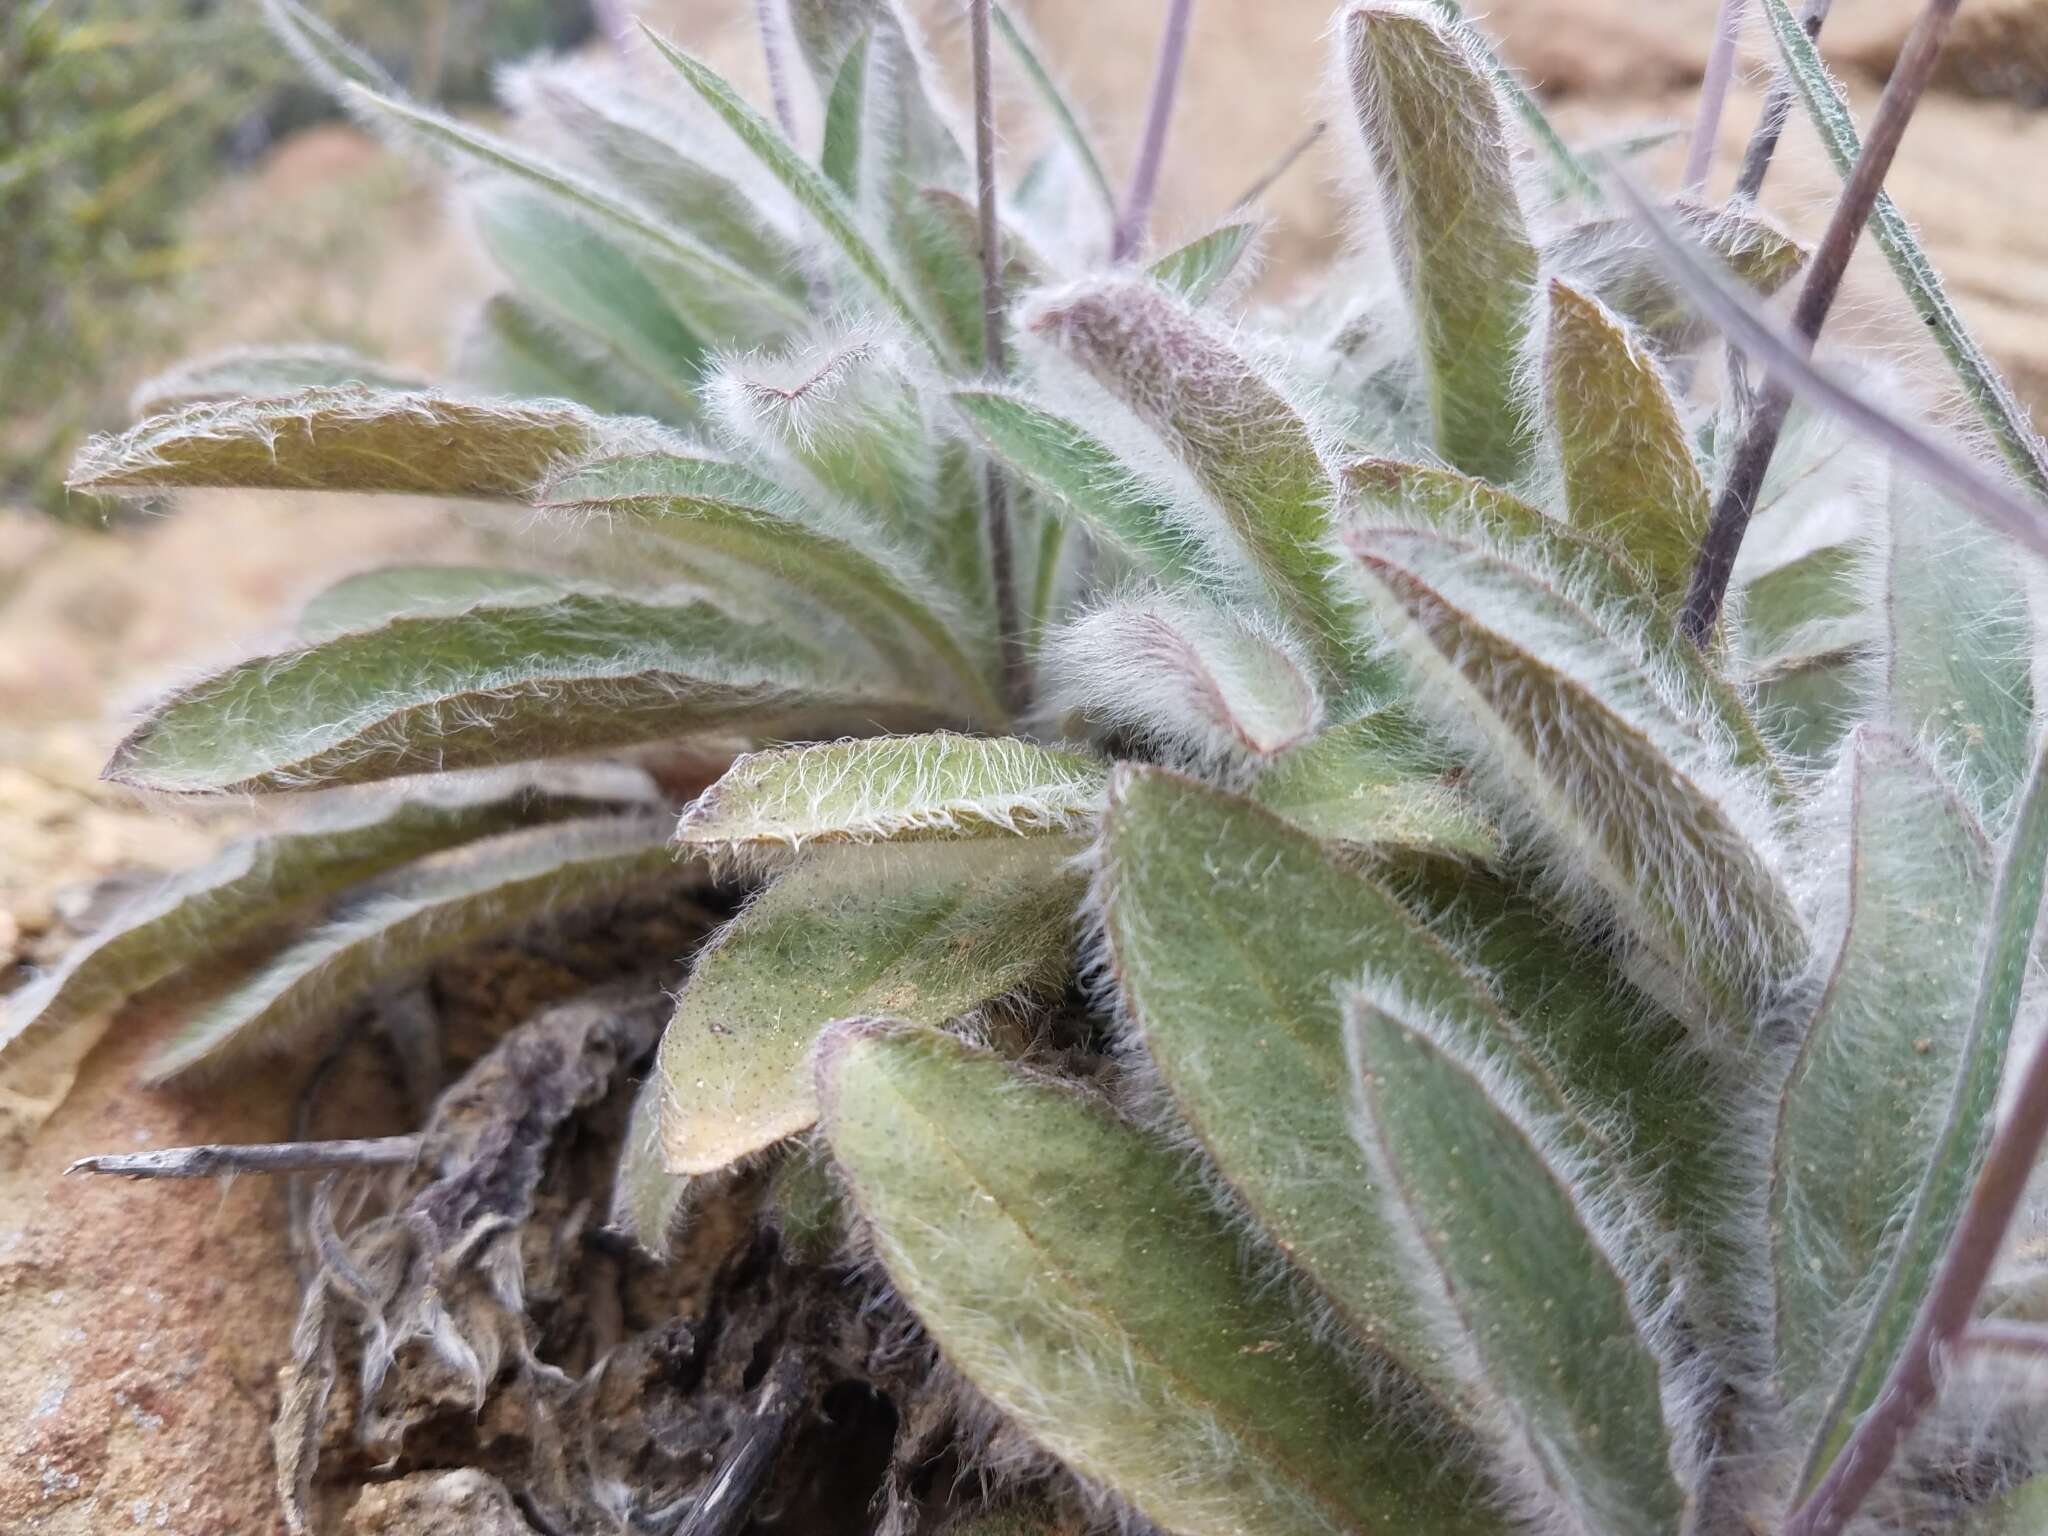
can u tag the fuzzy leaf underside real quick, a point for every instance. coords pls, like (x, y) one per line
(243, 373)
(1196, 270)
(1958, 662)
(1221, 417)
(732, 516)
(647, 1199)
(1532, 1296)
(1084, 477)
(1623, 786)
(1064, 1266)
(1610, 259)
(1860, 1113)
(923, 931)
(1185, 673)
(1629, 472)
(893, 788)
(435, 908)
(1951, 1168)
(494, 684)
(1374, 783)
(348, 439)
(204, 913)
(515, 347)
(375, 597)
(1442, 155)
(1228, 934)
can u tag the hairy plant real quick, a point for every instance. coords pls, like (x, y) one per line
(1353, 953)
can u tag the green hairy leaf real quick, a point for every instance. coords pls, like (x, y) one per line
(1204, 680)
(1441, 151)
(496, 683)
(1247, 447)
(326, 55)
(1228, 933)
(812, 189)
(1196, 270)
(1065, 119)
(1863, 1107)
(437, 907)
(1085, 478)
(1065, 1268)
(584, 280)
(265, 373)
(758, 301)
(1626, 457)
(893, 789)
(1374, 783)
(1578, 735)
(845, 114)
(1534, 1291)
(375, 597)
(1951, 1167)
(259, 881)
(349, 439)
(1964, 685)
(727, 516)
(1611, 260)
(647, 1200)
(924, 931)
(512, 347)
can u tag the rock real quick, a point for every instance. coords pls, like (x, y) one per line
(436, 1504)
(1994, 47)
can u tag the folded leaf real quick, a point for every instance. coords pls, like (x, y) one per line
(1196, 270)
(892, 788)
(812, 189)
(1862, 1109)
(1199, 679)
(1067, 1270)
(1243, 443)
(494, 684)
(350, 439)
(728, 516)
(1951, 1168)
(240, 373)
(1607, 756)
(926, 931)
(1626, 456)
(1610, 259)
(1534, 1280)
(1084, 477)
(437, 907)
(1228, 934)
(1964, 684)
(1375, 782)
(1443, 156)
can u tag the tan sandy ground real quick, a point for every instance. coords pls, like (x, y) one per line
(143, 1323)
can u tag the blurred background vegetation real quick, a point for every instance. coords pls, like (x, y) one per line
(116, 118)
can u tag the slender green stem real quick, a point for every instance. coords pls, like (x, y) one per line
(1752, 458)
(1137, 213)
(996, 491)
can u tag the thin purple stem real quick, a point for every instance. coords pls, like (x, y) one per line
(996, 491)
(1752, 457)
(778, 74)
(1763, 144)
(1944, 1319)
(1137, 214)
(1706, 129)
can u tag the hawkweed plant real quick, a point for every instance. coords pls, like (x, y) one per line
(1405, 910)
